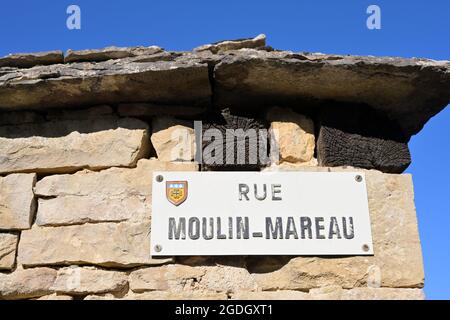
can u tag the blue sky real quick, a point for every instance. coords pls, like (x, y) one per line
(409, 29)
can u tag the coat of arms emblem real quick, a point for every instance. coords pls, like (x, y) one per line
(176, 192)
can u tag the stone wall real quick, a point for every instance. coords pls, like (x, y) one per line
(81, 135)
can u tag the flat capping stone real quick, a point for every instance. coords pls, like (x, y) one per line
(28, 60)
(234, 73)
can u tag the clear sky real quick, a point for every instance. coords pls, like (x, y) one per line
(409, 28)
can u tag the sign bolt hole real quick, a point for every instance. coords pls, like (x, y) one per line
(158, 248)
(159, 178)
(358, 178)
(365, 247)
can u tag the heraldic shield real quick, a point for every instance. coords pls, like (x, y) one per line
(176, 192)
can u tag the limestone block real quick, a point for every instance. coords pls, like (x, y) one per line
(228, 279)
(55, 296)
(271, 295)
(292, 134)
(28, 60)
(17, 203)
(184, 79)
(397, 261)
(173, 140)
(292, 166)
(106, 244)
(170, 277)
(88, 280)
(112, 195)
(204, 278)
(107, 296)
(27, 283)
(97, 55)
(256, 42)
(8, 245)
(66, 146)
(251, 77)
(185, 295)
(123, 237)
(163, 295)
(365, 293)
(334, 293)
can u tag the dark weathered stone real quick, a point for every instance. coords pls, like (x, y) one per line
(184, 80)
(148, 110)
(95, 112)
(355, 136)
(408, 91)
(97, 55)
(20, 117)
(28, 60)
(230, 144)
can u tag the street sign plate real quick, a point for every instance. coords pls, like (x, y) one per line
(260, 213)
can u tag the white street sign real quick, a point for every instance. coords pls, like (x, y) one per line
(260, 213)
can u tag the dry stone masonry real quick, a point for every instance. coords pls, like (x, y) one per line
(81, 135)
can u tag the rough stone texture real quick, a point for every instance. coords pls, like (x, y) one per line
(28, 60)
(338, 148)
(292, 166)
(177, 278)
(135, 79)
(107, 296)
(366, 108)
(292, 134)
(163, 295)
(17, 204)
(112, 195)
(408, 91)
(27, 283)
(256, 42)
(171, 277)
(173, 140)
(105, 244)
(360, 138)
(88, 280)
(188, 295)
(271, 295)
(149, 110)
(228, 279)
(397, 262)
(98, 55)
(66, 146)
(8, 245)
(55, 297)
(334, 294)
